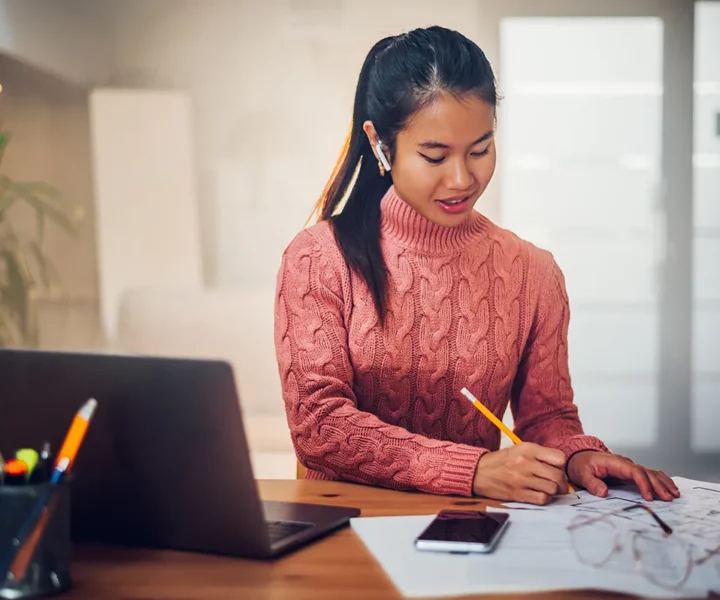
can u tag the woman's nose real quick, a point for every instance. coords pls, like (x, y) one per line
(460, 177)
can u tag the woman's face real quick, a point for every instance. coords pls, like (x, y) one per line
(445, 158)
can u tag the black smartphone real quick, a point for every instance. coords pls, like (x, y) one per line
(463, 531)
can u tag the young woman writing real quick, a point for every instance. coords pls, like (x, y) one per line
(387, 308)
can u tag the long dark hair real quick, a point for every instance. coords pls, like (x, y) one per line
(401, 75)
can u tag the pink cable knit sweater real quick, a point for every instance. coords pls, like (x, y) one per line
(469, 306)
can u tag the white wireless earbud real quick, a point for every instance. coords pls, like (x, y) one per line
(381, 155)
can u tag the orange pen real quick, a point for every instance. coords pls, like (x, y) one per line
(76, 433)
(497, 422)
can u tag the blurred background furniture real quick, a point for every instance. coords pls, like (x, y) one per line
(233, 325)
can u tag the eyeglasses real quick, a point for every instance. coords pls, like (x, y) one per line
(664, 559)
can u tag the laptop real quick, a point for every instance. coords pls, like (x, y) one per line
(165, 462)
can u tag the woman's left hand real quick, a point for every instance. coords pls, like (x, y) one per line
(588, 469)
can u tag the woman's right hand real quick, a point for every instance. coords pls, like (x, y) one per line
(523, 473)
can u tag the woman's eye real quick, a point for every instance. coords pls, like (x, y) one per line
(433, 161)
(481, 153)
(437, 161)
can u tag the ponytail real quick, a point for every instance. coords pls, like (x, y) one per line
(356, 175)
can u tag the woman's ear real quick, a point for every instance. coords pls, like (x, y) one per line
(372, 136)
(380, 150)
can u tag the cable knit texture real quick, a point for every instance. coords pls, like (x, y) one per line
(468, 306)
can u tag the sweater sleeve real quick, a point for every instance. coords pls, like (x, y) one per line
(542, 398)
(329, 432)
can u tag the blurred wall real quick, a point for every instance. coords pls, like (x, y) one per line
(64, 37)
(272, 86)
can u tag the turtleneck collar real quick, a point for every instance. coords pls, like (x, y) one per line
(403, 224)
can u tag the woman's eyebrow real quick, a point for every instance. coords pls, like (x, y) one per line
(432, 144)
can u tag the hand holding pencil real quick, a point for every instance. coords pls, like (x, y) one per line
(526, 472)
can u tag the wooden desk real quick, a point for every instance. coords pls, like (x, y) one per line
(335, 568)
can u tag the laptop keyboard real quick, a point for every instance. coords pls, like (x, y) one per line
(282, 529)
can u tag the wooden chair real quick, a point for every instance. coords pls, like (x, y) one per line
(300, 471)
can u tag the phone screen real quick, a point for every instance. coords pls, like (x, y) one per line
(467, 526)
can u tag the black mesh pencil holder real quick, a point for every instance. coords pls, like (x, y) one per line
(49, 568)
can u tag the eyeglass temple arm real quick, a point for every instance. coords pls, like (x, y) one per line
(663, 525)
(708, 556)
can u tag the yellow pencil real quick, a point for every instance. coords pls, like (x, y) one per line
(497, 422)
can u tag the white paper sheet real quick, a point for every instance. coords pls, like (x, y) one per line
(535, 554)
(695, 515)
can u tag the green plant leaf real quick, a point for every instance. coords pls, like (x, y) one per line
(59, 217)
(22, 260)
(40, 187)
(10, 333)
(6, 202)
(4, 141)
(40, 224)
(10, 237)
(44, 264)
(16, 296)
(53, 273)
(4, 185)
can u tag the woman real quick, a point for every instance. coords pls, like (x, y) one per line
(387, 309)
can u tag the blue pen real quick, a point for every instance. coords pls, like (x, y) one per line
(37, 510)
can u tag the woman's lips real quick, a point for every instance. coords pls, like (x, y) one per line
(455, 205)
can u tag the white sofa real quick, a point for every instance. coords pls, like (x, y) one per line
(232, 324)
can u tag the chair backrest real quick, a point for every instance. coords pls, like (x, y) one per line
(300, 471)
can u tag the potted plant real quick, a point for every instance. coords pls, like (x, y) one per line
(25, 269)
